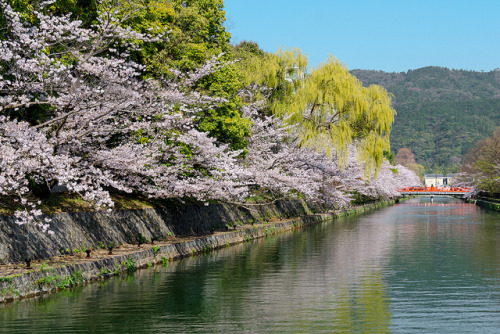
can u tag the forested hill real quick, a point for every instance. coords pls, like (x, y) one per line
(442, 113)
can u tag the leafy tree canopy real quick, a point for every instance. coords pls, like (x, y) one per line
(333, 109)
(482, 165)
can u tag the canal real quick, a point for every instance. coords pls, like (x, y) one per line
(417, 267)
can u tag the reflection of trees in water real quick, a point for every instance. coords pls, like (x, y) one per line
(284, 279)
(329, 277)
(470, 207)
(316, 272)
(365, 309)
(486, 248)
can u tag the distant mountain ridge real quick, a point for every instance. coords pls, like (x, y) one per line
(442, 113)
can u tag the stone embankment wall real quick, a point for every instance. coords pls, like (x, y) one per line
(488, 205)
(32, 283)
(91, 229)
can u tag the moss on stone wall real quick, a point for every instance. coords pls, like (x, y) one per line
(488, 205)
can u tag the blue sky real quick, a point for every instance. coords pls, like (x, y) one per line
(385, 35)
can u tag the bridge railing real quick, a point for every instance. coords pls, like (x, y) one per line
(459, 190)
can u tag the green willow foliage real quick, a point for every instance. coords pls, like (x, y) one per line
(329, 106)
(333, 109)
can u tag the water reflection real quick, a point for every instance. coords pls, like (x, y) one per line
(413, 267)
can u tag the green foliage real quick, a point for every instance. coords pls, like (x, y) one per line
(141, 239)
(394, 171)
(164, 261)
(130, 264)
(44, 266)
(366, 308)
(156, 249)
(260, 69)
(281, 73)
(84, 10)
(441, 133)
(225, 121)
(53, 281)
(104, 272)
(196, 33)
(68, 281)
(226, 82)
(246, 49)
(333, 109)
(9, 278)
(482, 167)
(330, 106)
(270, 231)
(390, 156)
(227, 125)
(47, 280)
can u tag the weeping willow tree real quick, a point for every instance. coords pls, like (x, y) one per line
(269, 76)
(329, 106)
(332, 109)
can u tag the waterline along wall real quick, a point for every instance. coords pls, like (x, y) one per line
(152, 222)
(494, 206)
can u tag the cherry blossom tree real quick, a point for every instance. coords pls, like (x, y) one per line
(102, 125)
(275, 161)
(392, 178)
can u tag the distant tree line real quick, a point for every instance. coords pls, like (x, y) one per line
(441, 113)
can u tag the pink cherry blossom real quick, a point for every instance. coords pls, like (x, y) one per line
(105, 127)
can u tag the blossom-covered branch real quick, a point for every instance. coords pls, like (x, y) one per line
(100, 125)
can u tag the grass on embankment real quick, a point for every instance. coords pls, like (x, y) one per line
(72, 202)
(67, 202)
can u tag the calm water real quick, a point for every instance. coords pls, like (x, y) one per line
(414, 267)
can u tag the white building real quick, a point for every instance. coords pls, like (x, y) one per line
(438, 180)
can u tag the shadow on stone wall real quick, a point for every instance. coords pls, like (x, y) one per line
(86, 229)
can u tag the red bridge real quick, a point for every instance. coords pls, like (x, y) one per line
(434, 191)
